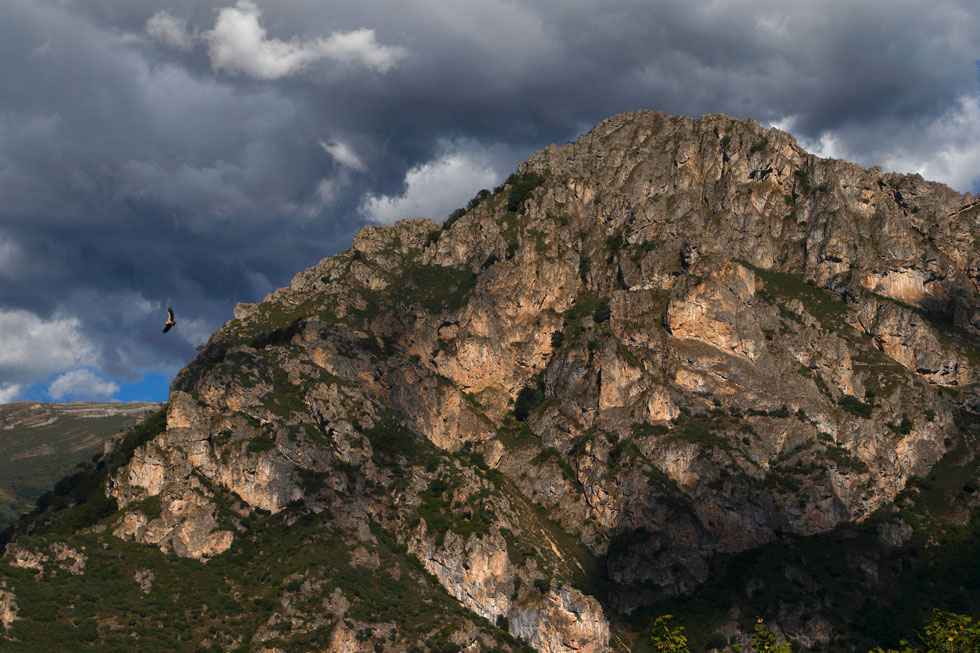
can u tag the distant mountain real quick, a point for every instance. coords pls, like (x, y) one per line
(41, 443)
(678, 366)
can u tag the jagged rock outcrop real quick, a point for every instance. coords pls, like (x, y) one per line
(668, 342)
(8, 607)
(60, 555)
(144, 578)
(567, 620)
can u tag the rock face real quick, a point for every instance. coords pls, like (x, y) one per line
(8, 608)
(718, 312)
(670, 341)
(63, 557)
(566, 621)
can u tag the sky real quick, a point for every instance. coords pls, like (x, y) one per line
(199, 153)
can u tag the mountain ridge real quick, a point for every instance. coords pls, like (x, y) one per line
(561, 403)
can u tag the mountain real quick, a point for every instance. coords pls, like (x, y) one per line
(677, 366)
(41, 443)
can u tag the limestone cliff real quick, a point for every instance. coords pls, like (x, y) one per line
(668, 342)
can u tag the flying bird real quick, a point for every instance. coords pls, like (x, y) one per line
(170, 320)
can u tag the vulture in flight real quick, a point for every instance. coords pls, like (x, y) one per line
(170, 320)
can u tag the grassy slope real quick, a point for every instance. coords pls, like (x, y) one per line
(232, 596)
(33, 458)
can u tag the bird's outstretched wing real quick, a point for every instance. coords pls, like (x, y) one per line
(167, 327)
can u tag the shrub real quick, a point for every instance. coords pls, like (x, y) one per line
(453, 217)
(667, 638)
(460, 212)
(904, 427)
(855, 406)
(641, 429)
(782, 411)
(584, 263)
(602, 311)
(475, 202)
(521, 188)
(261, 444)
(557, 339)
(764, 640)
(947, 632)
(803, 181)
(842, 457)
(136, 437)
(614, 242)
(530, 397)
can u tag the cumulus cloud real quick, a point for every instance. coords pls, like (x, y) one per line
(344, 155)
(33, 347)
(82, 384)
(435, 188)
(170, 30)
(945, 148)
(9, 392)
(361, 46)
(238, 44)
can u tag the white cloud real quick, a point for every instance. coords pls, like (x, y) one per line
(238, 44)
(827, 146)
(945, 149)
(195, 330)
(81, 384)
(360, 45)
(435, 188)
(170, 30)
(9, 392)
(33, 348)
(344, 155)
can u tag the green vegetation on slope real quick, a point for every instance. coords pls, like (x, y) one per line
(285, 566)
(945, 633)
(937, 567)
(52, 443)
(79, 501)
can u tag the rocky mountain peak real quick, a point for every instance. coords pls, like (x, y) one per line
(668, 344)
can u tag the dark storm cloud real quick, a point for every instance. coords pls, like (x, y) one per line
(200, 153)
